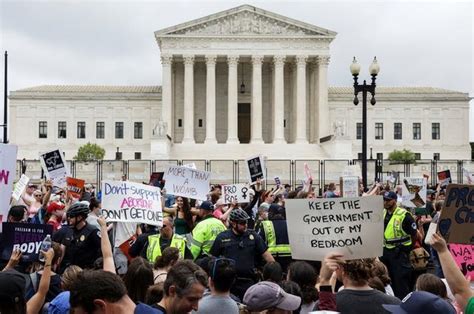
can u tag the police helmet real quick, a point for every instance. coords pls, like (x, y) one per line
(78, 209)
(238, 214)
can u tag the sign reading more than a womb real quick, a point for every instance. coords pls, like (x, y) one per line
(255, 168)
(7, 175)
(187, 182)
(456, 223)
(414, 192)
(131, 202)
(25, 237)
(351, 226)
(239, 193)
(55, 168)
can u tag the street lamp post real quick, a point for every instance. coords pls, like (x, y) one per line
(364, 88)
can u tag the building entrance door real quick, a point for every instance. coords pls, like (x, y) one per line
(244, 123)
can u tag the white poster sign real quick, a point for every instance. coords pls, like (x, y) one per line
(352, 171)
(414, 192)
(236, 193)
(187, 182)
(350, 186)
(20, 186)
(255, 168)
(124, 201)
(350, 226)
(55, 168)
(191, 165)
(7, 175)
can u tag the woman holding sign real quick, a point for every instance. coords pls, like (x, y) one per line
(183, 215)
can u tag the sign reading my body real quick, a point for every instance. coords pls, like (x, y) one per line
(124, 189)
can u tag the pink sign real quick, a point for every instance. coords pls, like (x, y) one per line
(463, 254)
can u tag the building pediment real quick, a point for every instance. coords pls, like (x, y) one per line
(245, 20)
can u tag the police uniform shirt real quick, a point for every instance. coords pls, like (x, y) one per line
(83, 246)
(408, 224)
(281, 232)
(243, 249)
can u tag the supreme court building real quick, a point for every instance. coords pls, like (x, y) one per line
(235, 84)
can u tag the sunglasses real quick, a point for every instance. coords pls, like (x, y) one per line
(242, 222)
(221, 260)
(37, 195)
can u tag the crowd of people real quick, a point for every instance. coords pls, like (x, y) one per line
(211, 257)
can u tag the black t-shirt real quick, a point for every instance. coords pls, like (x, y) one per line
(83, 246)
(246, 250)
(159, 307)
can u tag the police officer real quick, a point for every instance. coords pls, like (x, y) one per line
(400, 232)
(166, 238)
(274, 232)
(83, 240)
(244, 247)
(205, 231)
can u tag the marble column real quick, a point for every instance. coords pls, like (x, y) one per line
(232, 135)
(257, 100)
(211, 99)
(188, 124)
(322, 97)
(279, 99)
(166, 95)
(301, 100)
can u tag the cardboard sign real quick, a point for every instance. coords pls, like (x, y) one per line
(414, 192)
(125, 201)
(156, 179)
(74, 187)
(351, 226)
(7, 175)
(350, 186)
(239, 193)
(456, 223)
(26, 237)
(444, 177)
(20, 187)
(187, 182)
(463, 255)
(55, 168)
(255, 168)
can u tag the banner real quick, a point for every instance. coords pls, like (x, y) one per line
(187, 182)
(55, 167)
(414, 192)
(7, 175)
(74, 187)
(350, 186)
(463, 255)
(444, 177)
(20, 187)
(255, 168)
(351, 226)
(236, 193)
(131, 202)
(456, 223)
(26, 237)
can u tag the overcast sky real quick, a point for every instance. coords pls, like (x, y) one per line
(421, 43)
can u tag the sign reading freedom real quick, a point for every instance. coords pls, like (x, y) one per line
(131, 202)
(350, 226)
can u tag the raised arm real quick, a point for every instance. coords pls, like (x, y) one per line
(107, 256)
(36, 302)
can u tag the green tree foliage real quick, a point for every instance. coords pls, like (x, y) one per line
(89, 152)
(402, 156)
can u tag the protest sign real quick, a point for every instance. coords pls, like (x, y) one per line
(255, 168)
(468, 176)
(351, 226)
(463, 255)
(191, 165)
(352, 171)
(26, 237)
(131, 202)
(414, 192)
(350, 186)
(277, 181)
(20, 187)
(187, 182)
(55, 167)
(235, 193)
(74, 187)
(7, 175)
(444, 177)
(456, 223)
(156, 179)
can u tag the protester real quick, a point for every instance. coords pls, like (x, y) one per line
(305, 276)
(166, 238)
(271, 297)
(421, 302)
(138, 278)
(163, 263)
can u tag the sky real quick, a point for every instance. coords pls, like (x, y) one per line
(417, 43)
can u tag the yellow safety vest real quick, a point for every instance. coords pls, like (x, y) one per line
(204, 235)
(394, 234)
(279, 250)
(154, 248)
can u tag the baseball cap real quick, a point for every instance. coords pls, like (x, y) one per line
(31, 185)
(206, 205)
(266, 295)
(12, 287)
(421, 302)
(54, 206)
(390, 195)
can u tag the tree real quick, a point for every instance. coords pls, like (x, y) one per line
(402, 156)
(89, 152)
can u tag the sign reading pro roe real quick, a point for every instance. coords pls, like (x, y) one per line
(351, 226)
